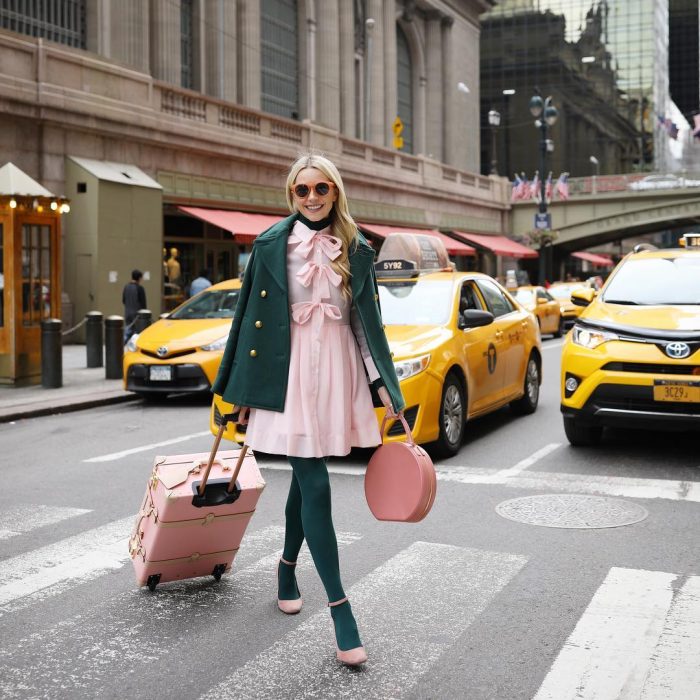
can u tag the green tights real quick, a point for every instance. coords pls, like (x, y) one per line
(308, 515)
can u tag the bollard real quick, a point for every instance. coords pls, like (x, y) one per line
(51, 354)
(93, 339)
(114, 347)
(143, 320)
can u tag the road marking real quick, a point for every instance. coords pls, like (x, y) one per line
(49, 570)
(145, 448)
(524, 464)
(115, 639)
(446, 587)
(638, 638)
(21, 519)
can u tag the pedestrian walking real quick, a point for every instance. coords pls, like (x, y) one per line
(134, 299)
(200, 283)
(305, 344)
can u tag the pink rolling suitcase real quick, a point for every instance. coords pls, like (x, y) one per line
(194, 514)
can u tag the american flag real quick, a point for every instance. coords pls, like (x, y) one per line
(535, 186)
(562, 187)
(548, 188)
(515, 192)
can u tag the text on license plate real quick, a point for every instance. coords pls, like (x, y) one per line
(160, 373)
(677, 391)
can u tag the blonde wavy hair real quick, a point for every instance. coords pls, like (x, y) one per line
(342, 224)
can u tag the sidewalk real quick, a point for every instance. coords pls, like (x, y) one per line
(82, 388)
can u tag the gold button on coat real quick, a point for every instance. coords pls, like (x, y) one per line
(258, 324)
(253, 353)
(263, 293)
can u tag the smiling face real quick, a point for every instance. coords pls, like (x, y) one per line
(314, 206)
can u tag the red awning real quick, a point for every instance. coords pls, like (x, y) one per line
(594, 258)
(500, 245)
(453, 247)
(244, 226)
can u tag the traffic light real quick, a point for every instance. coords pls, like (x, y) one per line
(397, 128)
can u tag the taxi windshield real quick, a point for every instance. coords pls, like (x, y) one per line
(563, 291)
(420, 303)
(220, 303)
(525, 296)
(654, 281)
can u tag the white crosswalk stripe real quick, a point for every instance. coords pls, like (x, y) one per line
(639, 638)
(453, 585)
(19, 520)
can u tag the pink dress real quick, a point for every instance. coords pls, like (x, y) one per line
(328, 408)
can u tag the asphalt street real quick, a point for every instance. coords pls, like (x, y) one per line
(471, 603)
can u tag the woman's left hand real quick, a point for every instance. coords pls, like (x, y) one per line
(386, 400)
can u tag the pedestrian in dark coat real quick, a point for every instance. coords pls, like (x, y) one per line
(134, 299)
(305, 344)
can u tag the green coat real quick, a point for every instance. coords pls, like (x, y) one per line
(255, 366)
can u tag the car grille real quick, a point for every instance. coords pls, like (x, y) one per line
(410, 414)
(169, 356)
(186, 377)
(217, 420)
(648, 368)
(637, 398)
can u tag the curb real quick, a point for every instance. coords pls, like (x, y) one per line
(71, 405)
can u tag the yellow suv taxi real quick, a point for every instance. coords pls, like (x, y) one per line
(182, 351)
(462, 346)
(632, 358)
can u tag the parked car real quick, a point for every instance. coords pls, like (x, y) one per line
(546, 309)
(561, 291)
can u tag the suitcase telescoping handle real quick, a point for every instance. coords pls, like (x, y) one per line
(407, 429)
(215, 447)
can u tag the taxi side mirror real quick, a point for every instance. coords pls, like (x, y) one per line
(582, 297)
(474, 318)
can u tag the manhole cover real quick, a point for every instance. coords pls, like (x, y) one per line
(571, 511)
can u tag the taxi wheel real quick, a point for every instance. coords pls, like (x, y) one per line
(452, 417)
(531, 390)
(581, 435)
(560, 330)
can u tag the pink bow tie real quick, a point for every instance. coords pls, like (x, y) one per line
(323, 273)
(303, 311)
(330, 245)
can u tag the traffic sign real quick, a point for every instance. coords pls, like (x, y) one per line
(398, 142)
(543, 220)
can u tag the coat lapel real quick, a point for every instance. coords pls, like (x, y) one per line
(274, 256)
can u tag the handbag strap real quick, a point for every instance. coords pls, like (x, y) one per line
(407, 429)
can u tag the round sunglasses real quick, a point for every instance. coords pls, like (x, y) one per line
(321, 189)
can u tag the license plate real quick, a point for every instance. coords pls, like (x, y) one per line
(158, 373)
(685, 392)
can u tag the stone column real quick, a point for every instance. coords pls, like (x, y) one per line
(375, 74)
(347, 70)
(165, 41)
(220, 43)
(328, 64)
(99, 27)
(451, 122)
(391, 99)
(249, 53)
(434, 86)
(129, 41)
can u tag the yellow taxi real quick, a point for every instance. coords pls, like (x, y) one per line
(561, 291)
(181, 352)
(462, 345)
(547, 310)
(633, 357)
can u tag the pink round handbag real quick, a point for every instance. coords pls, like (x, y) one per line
(400, 480)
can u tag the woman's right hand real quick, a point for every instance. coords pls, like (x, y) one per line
(243, 412)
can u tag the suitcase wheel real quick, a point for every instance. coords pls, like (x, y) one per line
(152, 582)
(218, 571)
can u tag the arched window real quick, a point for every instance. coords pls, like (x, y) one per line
(405, 88)
(280, 61)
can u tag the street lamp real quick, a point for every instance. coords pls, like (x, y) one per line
(369, 27)
(494, 123)
(595, 162)
(545, 114)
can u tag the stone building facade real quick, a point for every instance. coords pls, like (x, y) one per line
(212, 100)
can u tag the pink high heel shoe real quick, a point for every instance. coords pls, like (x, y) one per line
(350, 657)
(288, 607)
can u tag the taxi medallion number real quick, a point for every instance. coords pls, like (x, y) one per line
(158, 373)
(685, 392)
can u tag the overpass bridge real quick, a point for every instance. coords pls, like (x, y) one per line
(610, 208)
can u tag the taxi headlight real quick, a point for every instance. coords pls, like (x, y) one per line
(407, 368)
(131, 343)
(591, 338)
(219, 344)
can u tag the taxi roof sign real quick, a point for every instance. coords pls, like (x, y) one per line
(690, 240)
(425, 252)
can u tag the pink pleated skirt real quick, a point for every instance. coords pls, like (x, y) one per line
(328, 409)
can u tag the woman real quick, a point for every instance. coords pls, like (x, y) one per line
(306, 339)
